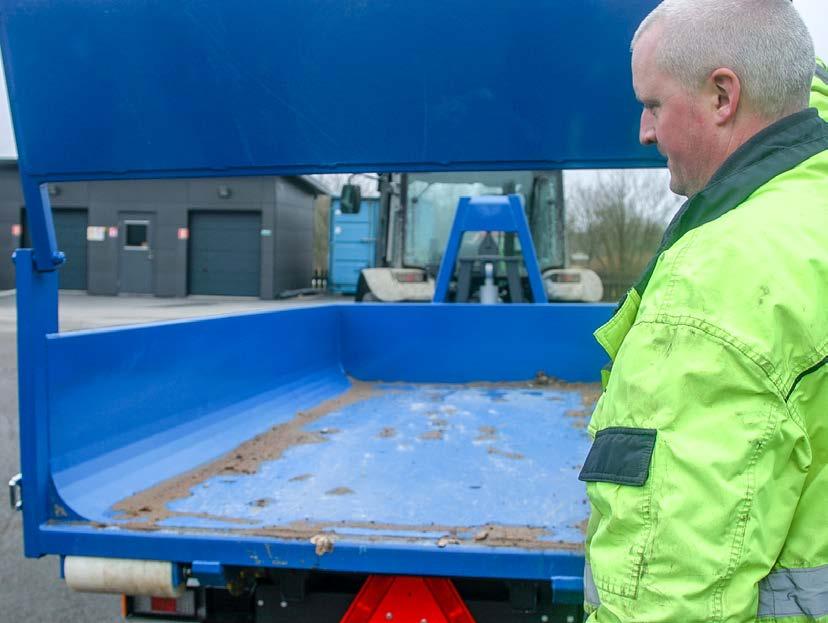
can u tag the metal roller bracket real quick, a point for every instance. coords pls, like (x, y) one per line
(16, 492)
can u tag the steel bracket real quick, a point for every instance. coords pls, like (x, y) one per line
(209, 573)
(16, 492)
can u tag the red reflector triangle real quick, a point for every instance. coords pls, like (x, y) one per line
(405, 599)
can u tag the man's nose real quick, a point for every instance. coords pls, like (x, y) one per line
(646, 131)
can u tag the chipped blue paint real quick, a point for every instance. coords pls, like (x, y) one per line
(500, 461)
(198, 522)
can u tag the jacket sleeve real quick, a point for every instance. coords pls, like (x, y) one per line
(722, 483)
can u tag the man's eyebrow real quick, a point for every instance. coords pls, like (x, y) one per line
(647, 102)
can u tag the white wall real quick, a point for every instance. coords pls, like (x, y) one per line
(815, 14)
(7, 146)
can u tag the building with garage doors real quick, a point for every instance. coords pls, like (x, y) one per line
(236, 236)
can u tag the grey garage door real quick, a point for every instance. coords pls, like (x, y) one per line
(224, 253)
(70, 230)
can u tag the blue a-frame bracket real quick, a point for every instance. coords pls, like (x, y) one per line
(490, 213)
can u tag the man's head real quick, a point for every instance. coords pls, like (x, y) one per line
(711, 74)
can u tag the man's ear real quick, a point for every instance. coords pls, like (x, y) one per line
(728, 92)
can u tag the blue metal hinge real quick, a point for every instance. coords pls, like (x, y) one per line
(567, 589)
(58, 259)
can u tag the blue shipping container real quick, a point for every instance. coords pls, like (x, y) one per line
(352, 244)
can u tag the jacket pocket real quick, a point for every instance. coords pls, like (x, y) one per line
(620, 455)
(617, 472)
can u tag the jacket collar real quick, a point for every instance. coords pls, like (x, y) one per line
(774, 150)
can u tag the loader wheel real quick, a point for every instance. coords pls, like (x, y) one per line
(363, 292)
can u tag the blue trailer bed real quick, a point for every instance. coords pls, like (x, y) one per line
(309, 438)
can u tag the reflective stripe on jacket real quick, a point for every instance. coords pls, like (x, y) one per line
(707, 476)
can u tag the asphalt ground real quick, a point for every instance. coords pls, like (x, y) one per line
(31, 590)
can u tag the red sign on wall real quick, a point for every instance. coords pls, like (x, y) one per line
(16, 230)
(183, 233)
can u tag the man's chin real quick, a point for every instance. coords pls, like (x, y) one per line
(678, 187)
(675, 186)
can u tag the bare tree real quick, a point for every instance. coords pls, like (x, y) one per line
(617, 219)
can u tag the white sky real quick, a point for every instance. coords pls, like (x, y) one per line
(814, 12)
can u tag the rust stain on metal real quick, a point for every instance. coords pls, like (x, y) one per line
(432, 435)
(487, 433)
(301, 477)
(525, 537)
(516, 456)
(340, 491)
(387, 433)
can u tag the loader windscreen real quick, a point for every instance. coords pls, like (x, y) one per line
(432, 201)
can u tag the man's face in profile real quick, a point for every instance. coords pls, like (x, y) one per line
(672, 118)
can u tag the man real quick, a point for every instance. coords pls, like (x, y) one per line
(707, 475)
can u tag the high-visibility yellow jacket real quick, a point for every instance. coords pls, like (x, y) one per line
(708, 474)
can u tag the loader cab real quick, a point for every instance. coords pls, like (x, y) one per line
(418, 210)
(431, 201)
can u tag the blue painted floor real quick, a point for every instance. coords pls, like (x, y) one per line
(416, 461)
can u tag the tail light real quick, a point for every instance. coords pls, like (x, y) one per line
(184, 606)
(409, 277)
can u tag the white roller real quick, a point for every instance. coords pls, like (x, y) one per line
(115, 575)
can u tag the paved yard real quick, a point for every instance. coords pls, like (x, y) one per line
(30, 590)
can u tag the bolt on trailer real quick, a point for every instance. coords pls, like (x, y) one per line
(335, 463)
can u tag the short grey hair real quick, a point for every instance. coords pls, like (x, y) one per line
(764, 42)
